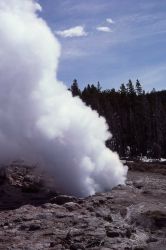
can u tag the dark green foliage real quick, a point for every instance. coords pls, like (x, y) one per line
(130, 88)
(123, 89)
(138, 88)
(156, 151)
(75, 88)
(99, 87)
(137, 120)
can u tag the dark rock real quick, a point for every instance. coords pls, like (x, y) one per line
(34, 227)
(123, 212)
(94, 243)
(138, 184)
(62, 199)
(77, 246)
(23, 227)
(112, 234)
(3, 176)
(152, 239)
(30, 188)
(128, 232)
(158, 217)
(141, 248)
(90, 209)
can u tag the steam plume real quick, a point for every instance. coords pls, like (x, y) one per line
(39, 119)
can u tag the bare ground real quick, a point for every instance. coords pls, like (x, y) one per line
(131, 217)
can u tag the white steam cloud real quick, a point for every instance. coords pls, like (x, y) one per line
(39, 119)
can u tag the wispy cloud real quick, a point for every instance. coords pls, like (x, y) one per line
(90, 7)
(138, 26)
(76, 31)
(103, 29)
(117, 34)
(73, 52)
(109, 20)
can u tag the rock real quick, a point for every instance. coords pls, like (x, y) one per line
(62, 199)
(77, 246)
(152, 239)
(34, 227)
(138, 184)
(126, 218)
(23, 227)
(30, 188)
(104, 248)
(105, 214)
(140, 248)
(112, 234)
(128, 232)
(3, 176)
(72, 206)
(123, 212)
(157, 217)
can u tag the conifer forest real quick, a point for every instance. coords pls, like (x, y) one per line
(136, 119)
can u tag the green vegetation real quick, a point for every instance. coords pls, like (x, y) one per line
(136, 119)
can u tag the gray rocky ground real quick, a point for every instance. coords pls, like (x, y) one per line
(132, 217)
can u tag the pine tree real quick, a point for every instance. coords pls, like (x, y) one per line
(136, 121)
(130, 88)
(99, 87)
(75, 88)
(138, 88)
(123, 89)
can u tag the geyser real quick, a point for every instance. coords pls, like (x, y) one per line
(40, 121)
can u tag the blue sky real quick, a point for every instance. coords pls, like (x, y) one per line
(110, 41)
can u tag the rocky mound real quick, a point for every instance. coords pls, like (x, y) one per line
(34, 217)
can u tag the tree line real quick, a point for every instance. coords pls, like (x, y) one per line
(136, 119)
